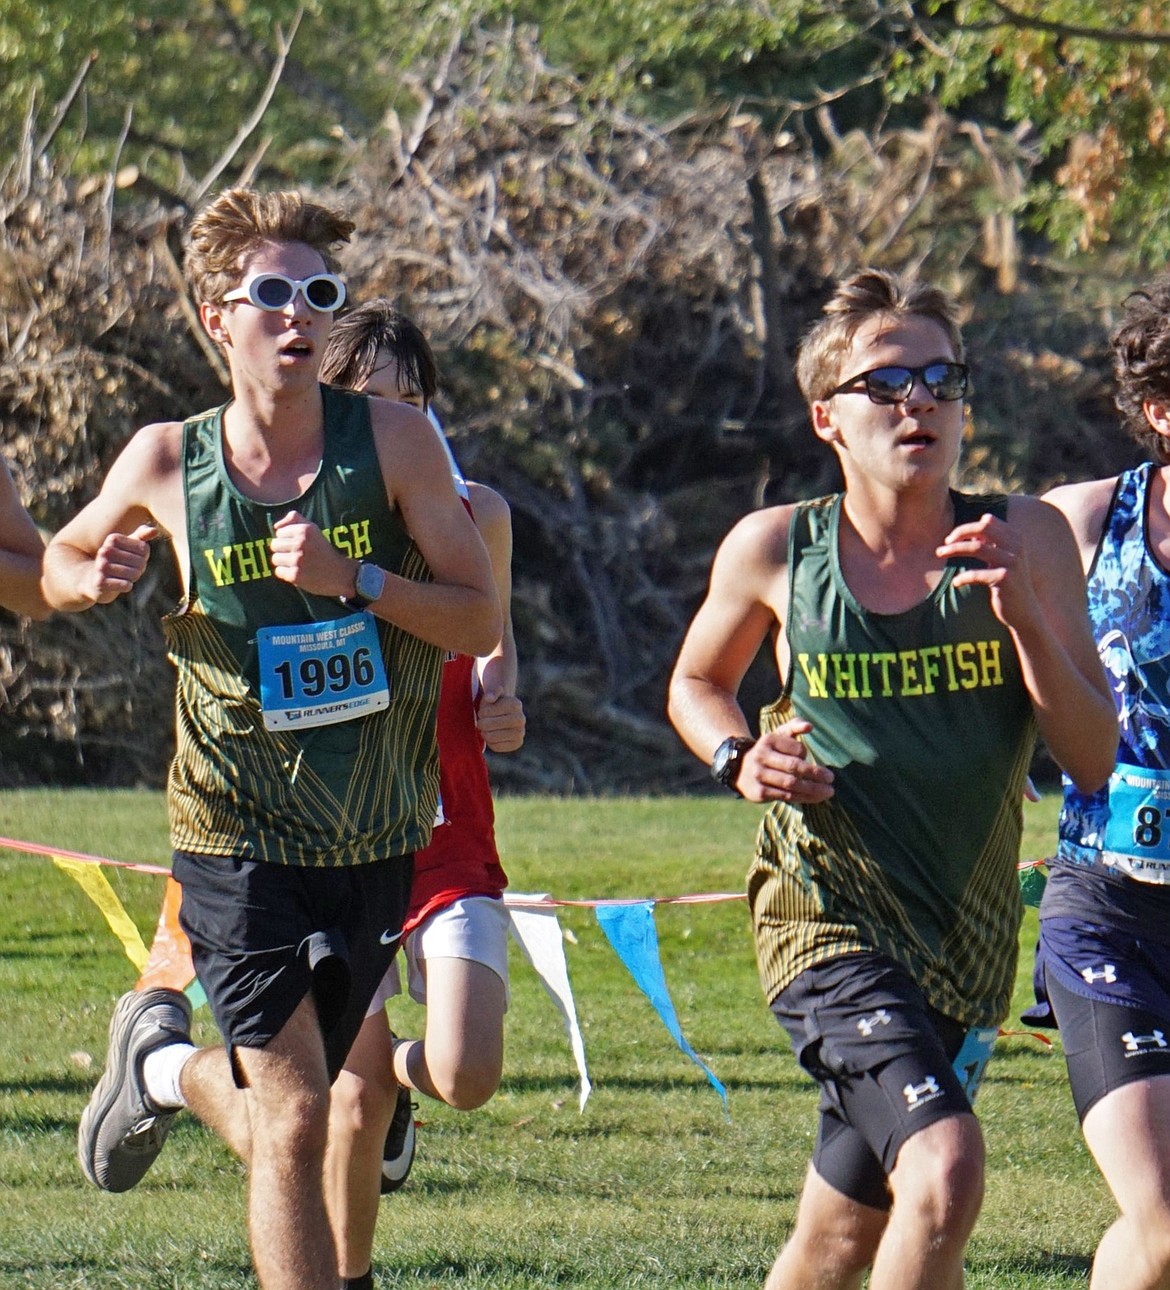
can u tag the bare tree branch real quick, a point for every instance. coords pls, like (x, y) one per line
(248, 126)
(1013, 18)
(66, 103)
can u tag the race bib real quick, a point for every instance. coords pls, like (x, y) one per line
(1137, 836)
(316, 674)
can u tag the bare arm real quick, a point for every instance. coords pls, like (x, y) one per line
(500, 718)
(21, 554)
(747, 589)
(1033, 571)
(102, 552)
(1085, 507)
(459, 609)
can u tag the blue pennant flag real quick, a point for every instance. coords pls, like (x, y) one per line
(630, 930)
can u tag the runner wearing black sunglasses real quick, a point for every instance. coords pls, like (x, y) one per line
(921, 635)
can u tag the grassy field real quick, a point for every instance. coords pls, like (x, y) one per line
(651, 1186)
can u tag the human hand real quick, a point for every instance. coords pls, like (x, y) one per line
(777, 768)
(302, 555)
(118, 564)
(1006, 571)
(501, 722)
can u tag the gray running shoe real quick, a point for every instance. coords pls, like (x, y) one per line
(121, 1129)
(398, 1153)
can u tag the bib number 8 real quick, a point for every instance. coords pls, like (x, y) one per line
(1148, 827)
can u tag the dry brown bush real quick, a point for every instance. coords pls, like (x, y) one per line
(614, 305)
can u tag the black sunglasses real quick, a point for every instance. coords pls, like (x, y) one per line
(946, 382)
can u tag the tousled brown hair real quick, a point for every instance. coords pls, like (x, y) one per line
(236, 223)
(871, 293)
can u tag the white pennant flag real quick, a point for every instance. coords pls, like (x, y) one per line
(538, 933)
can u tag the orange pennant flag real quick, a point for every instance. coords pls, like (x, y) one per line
(169, 963)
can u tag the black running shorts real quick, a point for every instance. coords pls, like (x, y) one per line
(1110, 992)
(263, 936)
(883, 1058)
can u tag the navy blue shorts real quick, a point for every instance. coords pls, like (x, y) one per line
(888, 1064)
(263, 936)
(1110, 991)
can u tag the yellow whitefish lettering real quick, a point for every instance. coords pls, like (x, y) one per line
(340, 539)
(910, 682)
(817, 689)
(221, 570)
(968, 669)
(928, 657)
(989, 663)
(844, 676)
(948, 653)
(252, 558)
(884, 662)
(360, 537)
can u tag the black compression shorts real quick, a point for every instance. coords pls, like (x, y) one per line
(884, 1059)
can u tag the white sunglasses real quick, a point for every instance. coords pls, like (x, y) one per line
(272, 292)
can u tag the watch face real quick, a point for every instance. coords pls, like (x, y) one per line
(724, 761)
(369, 582)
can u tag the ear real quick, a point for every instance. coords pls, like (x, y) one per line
(213, 318)
(1158, 415)
(823, 424)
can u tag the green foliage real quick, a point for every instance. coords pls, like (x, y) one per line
(181, 77)
(1093, 85)
(172, 82)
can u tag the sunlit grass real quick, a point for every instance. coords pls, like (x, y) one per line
(651, 1186)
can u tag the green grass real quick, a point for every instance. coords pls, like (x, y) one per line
(651, 1186)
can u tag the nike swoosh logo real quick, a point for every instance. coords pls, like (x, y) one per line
(387, 939)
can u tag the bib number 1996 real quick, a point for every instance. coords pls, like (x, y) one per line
(316, 674)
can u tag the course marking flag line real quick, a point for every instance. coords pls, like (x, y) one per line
(35, 848)
(517, 901)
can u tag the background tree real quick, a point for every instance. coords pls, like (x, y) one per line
(615, 221)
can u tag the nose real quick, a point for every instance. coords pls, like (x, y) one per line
(298, 306)
(920, 395)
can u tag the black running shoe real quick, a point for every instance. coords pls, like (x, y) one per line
(398, 1153)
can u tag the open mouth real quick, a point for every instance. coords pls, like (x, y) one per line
(298, 349)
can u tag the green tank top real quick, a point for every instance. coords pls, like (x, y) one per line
(925, 719)
(327, 794)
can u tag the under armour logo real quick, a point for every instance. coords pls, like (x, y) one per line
(924, 1092)
(1106, 972)
(1140, 1043)
(867, 1025)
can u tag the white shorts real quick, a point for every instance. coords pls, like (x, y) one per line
(475, 928)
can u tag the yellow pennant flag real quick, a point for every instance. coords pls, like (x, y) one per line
(96, 886)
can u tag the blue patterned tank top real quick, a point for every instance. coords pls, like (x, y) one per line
(1119, 836)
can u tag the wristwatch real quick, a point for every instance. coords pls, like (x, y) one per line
(726, 763)
(368, 585)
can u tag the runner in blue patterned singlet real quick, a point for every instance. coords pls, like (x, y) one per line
(326, 564)
(1103, 961)
(921, 636)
